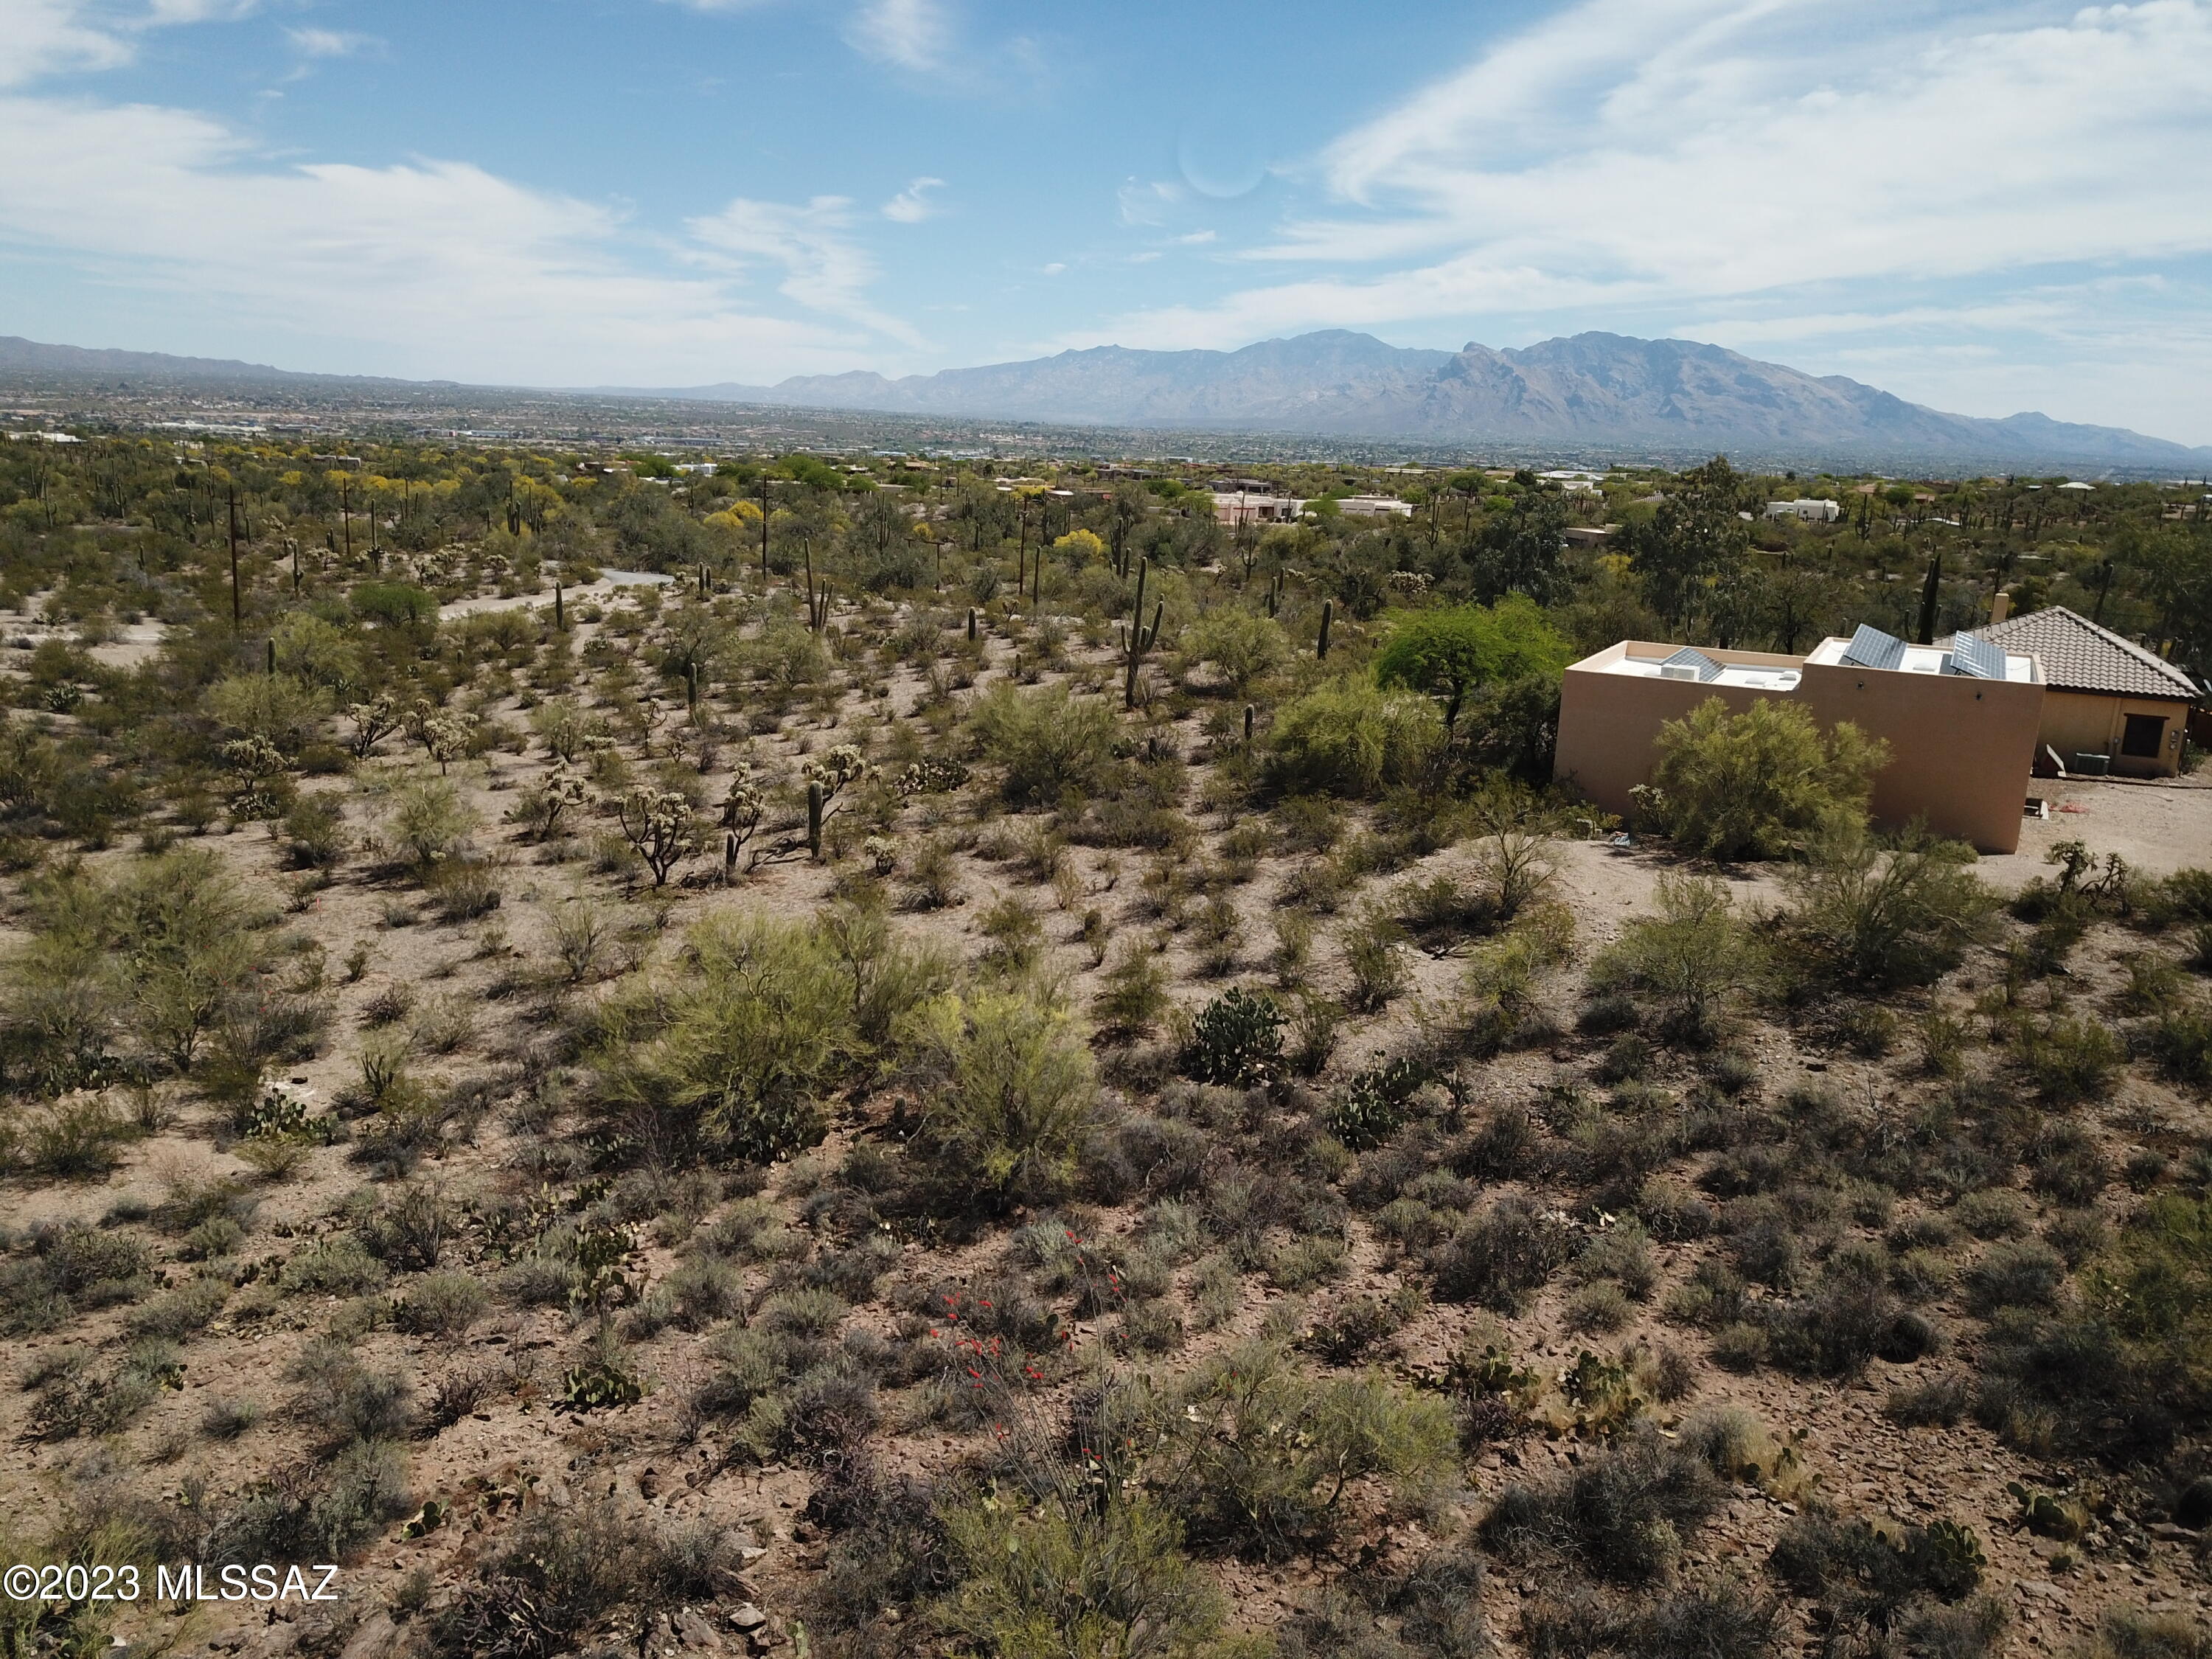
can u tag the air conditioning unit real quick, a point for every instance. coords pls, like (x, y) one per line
(1678, 671)
(2091, 765)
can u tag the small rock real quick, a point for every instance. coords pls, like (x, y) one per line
(748, 1618)
(696, 1633)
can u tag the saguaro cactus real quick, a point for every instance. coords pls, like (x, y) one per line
(1321, 646)
(1139, 642)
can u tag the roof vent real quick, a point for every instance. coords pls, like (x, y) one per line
(1872, 648)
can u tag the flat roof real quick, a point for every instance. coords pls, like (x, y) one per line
(1752, 677)
(1921, 659)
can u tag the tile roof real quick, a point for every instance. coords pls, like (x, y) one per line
(2079, 655)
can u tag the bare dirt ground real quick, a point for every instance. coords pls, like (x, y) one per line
(1849, 1453)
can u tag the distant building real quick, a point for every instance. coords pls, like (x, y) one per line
(1961, 721)
(1587, 535)
(1812, 512)
(1374, 506)
(1248, 507)
(2109, 699)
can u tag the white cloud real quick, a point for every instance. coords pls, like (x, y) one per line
(824, 270)
(908, 35)
(432, 265)
(1632, 154)
(329, 43)
(46, 37)
(912, 206)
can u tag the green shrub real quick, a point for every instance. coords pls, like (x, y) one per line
(560, 1571)
(736, 1051)
(1867, 1574)
(1687, 961)
(1498, 1258)
(152, 961)
(1374, 953)
(2128, 1633)
(442, 1304)
(1227, 1468)
(1887, 918)
(1349, 738)
(1076, 1579)
(1626, 1513)
(1452, 651)
(1014, 1095)
(304, 1513)
(1760, 784)
(345, 1398)
(339, 1266)
(427, 819)
(1049, 743)
(2070, 1060)
(1713, 1621)
(2181, 1042)
(1242, 646)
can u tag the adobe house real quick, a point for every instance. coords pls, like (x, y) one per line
(2104, 695)
(1962, 720)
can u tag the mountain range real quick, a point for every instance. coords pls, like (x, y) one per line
(1605, 390)
(1594, 391)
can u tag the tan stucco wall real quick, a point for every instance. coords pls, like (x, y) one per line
(1960, 748)
(2078, 723)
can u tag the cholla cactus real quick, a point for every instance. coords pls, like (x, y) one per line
(443, 732)
(932, 777)
(255, 760)
(564, 787)
(659, 824)
(743, 808)
(843, 765)
(374, 721)
(881, 853)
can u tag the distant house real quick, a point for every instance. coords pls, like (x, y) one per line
(1812, 512)
(1960, 719)
(2108, 695)
(1248, 506)
(1587, 535)
(1373, 507)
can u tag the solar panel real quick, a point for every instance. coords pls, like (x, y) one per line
(1690, 657)
(1872, 648)
(1975, 657)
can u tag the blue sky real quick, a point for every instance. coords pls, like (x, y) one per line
(1987, 208)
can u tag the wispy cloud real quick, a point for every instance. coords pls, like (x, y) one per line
(442, 264)
(1635, 153)
(329, 43)
(908, 34)
(824, 270)
(912, 206)
(49, 37)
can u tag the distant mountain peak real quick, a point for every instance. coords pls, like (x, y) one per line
(1594, 391)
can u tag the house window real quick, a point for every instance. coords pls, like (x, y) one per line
(2145, 736)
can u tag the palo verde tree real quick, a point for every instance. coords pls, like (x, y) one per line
(1453, 651)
